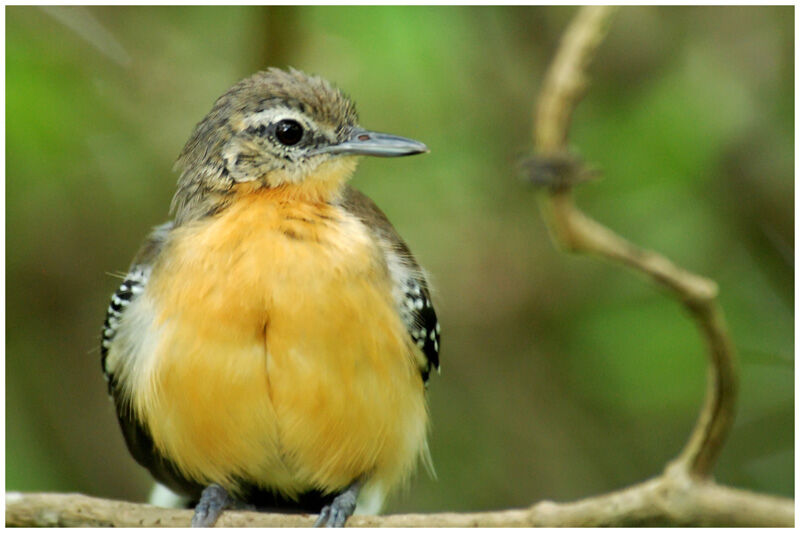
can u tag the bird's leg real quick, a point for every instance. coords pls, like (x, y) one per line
(213, 500)
(341, 508)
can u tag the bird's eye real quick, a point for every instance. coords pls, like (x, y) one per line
(289, 132)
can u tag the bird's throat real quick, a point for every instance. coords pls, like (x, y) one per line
(324, 185)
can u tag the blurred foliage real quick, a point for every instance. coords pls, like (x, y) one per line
(562, 376)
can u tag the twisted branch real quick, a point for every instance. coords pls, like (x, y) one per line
(562, 90)
(683, 495)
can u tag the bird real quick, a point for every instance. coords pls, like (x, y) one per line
(270, 345)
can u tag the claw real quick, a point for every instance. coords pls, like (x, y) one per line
(213, 501)
(340, 509)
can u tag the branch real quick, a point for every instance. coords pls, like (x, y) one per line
(555, 167)
(683, 495)
(666, 500)
(563, 87)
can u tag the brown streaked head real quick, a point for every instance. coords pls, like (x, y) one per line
(276, 128)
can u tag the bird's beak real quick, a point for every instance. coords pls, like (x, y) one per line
(365, 142)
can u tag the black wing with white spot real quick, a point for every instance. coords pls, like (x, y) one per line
(420, 319)
(132, 286)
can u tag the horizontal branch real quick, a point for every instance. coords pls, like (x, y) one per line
(669, 500)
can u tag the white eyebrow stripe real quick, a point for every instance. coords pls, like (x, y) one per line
(275, 114)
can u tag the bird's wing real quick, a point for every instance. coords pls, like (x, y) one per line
(133, 285)
(411, 289)
(420, 318)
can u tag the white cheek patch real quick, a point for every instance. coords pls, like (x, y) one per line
(231, 155)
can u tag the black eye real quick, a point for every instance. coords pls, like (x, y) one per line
(289, 132)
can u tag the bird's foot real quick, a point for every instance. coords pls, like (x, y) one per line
(213, 501)
(340, 509)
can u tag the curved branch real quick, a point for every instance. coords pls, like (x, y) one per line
(562, 89)
(565, 80)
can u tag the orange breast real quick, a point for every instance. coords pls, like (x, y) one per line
(280, 358)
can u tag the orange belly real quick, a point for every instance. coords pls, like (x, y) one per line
(280, 359)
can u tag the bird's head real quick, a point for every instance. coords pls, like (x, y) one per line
(278, 129)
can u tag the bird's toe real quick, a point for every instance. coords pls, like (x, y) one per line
(213, 501)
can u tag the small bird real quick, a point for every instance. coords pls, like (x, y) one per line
(270, 346)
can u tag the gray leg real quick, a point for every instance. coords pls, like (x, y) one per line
(343, 505)
(213, 501)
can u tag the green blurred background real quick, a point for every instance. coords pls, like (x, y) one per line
(562, 376)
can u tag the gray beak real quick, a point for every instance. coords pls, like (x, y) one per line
(365, 142)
